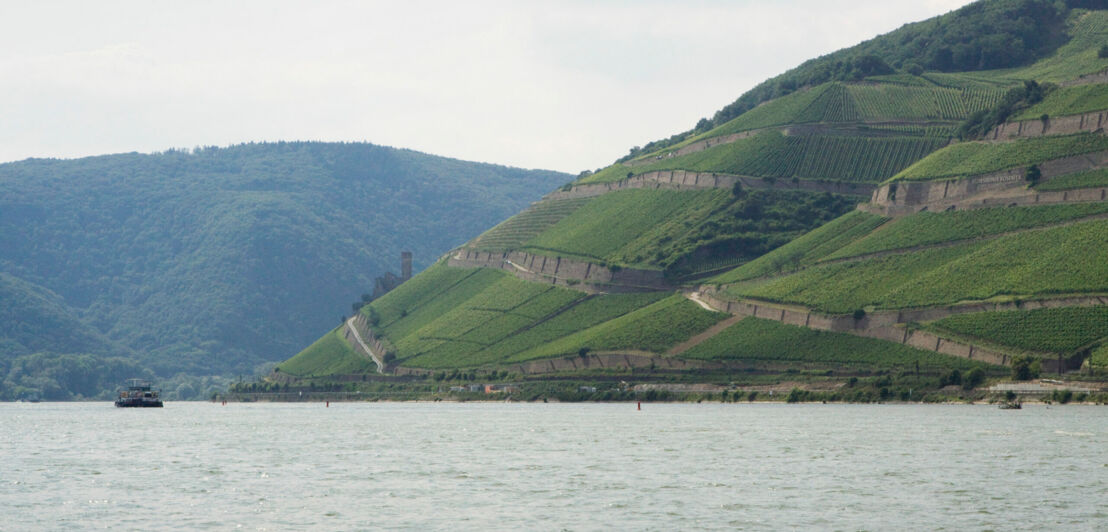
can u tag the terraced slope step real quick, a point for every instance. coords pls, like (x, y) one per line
(1006, 187)
(575, 274)
(688, 180)
(1055, 125)
(890, 325)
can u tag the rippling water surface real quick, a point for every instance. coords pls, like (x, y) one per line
(552, 466)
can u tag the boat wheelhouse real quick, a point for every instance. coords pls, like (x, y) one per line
(138, 394)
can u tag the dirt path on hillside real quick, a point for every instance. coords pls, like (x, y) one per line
(351, 326)
(709, 333)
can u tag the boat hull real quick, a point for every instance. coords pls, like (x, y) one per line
(138, 404)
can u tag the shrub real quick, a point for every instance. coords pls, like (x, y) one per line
(1033, 174)
(796, 395)
(1025, 368)
(973, 379)
(1062, 396)
(1103, 52)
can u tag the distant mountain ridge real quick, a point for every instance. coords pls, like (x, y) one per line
(216, 260)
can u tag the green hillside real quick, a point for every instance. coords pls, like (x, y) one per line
(828, 231)
(677, 231)
(1034, 263)
(218, 260)
(974, 158)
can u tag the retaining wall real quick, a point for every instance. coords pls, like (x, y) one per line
(1099, 77)
(1006, 187)
(574, 274)
(887, 325)
(1060, 125)
(688, 180)
(617, 361)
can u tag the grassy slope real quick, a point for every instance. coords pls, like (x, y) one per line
(757, 340)
(330, 355)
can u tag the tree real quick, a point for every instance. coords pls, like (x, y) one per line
(1103, 52)
(1033, 174)
(737, 190)
(1025, 368)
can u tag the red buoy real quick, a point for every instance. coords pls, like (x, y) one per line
(328, 404)
(640, 405)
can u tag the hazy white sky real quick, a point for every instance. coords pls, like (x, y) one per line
(538, 84)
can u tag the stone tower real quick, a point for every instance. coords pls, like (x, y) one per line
(405, 265)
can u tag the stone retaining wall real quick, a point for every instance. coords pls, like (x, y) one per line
(1099, 77)
(688, 180)
(1060, 125)
(1006, 187)
(615, 361)
(574, 274)
(887, 325)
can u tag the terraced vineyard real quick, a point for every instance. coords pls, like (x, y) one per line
(1049, 330)
(807, 249)
(786, 244)
(486, 316)
(932, 228)
(877, 102)
(654, 328)
(1065, 259)
(616, 221)
(771, 154)
(483, 317)
(974, 158)
(639, 228)
(767, 341)
(940, 132)
(1092, 178)
(330, 355)
(1069, 101)
(513, 232)
(795, 108)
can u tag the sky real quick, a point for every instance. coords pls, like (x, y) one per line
(561, 85)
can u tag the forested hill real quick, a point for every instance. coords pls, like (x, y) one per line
(216, 260)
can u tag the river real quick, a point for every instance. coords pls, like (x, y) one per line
(464, 466)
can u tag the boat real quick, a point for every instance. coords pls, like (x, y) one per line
(138, 394)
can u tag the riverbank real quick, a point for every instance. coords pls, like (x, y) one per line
(949, 389)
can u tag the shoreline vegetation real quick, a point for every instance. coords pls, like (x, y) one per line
(950, 388)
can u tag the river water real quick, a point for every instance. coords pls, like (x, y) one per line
(357, 466)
